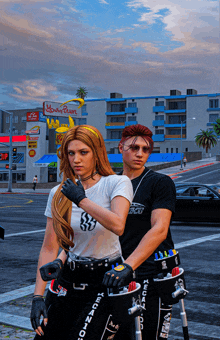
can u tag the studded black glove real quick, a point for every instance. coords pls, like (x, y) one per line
(74, 192)
(38, 308)
(119, 276)
(51, 270)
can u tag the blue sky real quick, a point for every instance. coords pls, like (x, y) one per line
(137, 48)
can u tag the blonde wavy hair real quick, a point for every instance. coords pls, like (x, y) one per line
(61, 205)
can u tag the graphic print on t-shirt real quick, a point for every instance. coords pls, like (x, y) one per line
(136, 208)
(87, 222)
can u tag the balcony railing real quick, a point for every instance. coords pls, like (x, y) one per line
(115, 124)
(131, 110)
(175, 136)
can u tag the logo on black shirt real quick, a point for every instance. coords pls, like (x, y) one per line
(136, 208)
(87, 222)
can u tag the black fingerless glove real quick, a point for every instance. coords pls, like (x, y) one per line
(119, 276)
(74, 192)
(38, 308)
(51, 270)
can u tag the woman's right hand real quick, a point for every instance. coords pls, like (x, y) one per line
(51, 270)
(38, 308)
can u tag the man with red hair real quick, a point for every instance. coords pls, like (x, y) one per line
(147, 230)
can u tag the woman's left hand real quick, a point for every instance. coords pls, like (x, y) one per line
(74, 192)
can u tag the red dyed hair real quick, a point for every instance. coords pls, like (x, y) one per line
(137, 130)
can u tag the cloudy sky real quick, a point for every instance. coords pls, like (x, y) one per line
(137, 47)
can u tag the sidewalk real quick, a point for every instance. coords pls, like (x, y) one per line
(175, 170)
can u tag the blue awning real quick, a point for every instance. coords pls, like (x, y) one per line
(45, 160)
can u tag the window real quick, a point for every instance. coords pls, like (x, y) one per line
(115, 134)
(177, 119)
(171, 150)
(15, 120)
(132, 104)
(159, 117)
(20, 177)
(177, 150)
(23, 119)
(176, 131)
(186, 149)
(118, 107)
(159, 132)
(213, 103)
(117, 119)
(84, 108)
(181, 105)
(132, 118)
(213, 117)
(160, 103)
(7, 119)
(167, 150)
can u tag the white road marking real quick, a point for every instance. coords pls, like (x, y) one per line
(26, 232)
(200, 175)
(196, 241)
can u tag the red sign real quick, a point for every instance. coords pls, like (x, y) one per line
(33, 116)
(6, 139)
(32, 153)
(4, 156)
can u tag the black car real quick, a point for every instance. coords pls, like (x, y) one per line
(197, 202)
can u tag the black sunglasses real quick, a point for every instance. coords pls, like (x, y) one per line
(136, 148)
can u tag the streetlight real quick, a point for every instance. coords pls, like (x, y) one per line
(181, 154)
(10, 152)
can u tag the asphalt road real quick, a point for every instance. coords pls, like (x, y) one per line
(206, 175)
(22, 216)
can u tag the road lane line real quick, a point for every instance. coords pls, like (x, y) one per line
(18, 293)
(199, 175)
(196, 241)
(26, 232)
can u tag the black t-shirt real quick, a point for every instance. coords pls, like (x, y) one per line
(152, 190)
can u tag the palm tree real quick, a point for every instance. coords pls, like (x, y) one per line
(81, 92)
(206, 139)
(216, 127)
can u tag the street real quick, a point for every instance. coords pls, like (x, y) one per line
(22, 216)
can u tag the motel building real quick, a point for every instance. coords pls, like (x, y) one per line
(174, 120)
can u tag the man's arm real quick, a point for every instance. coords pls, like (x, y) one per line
(160, 221)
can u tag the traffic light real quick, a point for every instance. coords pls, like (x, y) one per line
(14, 152)
(6, 166)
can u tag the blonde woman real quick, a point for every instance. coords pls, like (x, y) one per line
(85, 218)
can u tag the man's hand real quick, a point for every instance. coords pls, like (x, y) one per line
(51, 270)
(74, 192)
(119, 276)
(38, 308)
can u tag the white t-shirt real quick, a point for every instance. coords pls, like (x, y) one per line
(91, 239)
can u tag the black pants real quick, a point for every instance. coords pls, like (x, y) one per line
(34, 186)
(155, 320)
(76, 314)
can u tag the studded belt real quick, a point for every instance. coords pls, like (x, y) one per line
(93, 263)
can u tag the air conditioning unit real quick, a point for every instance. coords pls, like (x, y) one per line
(190, 92)
(175, 93)
(115, 95)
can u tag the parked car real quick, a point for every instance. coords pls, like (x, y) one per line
(197, 202)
